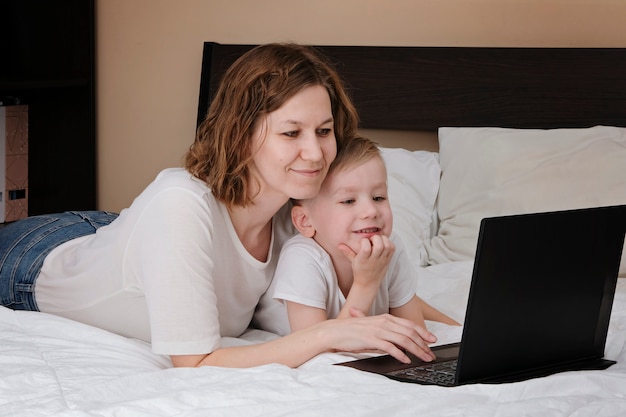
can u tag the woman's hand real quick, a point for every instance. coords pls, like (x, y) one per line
(383, 333)
(359, 333)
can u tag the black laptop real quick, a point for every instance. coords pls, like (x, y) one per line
(539, 303)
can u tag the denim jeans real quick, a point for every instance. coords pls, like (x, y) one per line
(25, 244)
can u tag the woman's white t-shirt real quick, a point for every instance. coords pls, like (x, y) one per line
(169, 270)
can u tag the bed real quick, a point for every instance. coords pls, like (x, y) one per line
(516, 130)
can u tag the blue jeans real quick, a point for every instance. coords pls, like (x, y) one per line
(25, 244)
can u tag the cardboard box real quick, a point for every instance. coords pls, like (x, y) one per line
(13, 162)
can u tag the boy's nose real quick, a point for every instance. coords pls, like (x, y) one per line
(369, 210)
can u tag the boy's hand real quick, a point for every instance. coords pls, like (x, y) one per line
(370, 264)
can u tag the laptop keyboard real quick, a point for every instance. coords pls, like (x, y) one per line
(441, 373)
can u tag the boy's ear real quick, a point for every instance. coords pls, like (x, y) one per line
(300, 219)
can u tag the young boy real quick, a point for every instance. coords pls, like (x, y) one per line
(345, 256)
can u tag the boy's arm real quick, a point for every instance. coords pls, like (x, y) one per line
(361, 297)
(432, 314)
(412, 310)
(302, 316)
(419, 310)
(369, 267)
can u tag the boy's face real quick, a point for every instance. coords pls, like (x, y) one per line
(352, 205)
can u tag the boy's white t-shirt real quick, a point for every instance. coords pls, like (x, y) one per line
(169, 270)
(305, 275)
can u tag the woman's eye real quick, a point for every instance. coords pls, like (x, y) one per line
(324, 132)
(292, 134)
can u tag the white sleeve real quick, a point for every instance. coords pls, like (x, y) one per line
(302, 274)
(170, 251)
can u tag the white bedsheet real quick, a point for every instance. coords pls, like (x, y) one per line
(54, 366)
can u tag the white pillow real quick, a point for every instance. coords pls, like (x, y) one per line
(496, 171)
(413, 182)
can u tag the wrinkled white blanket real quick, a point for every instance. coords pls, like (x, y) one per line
(53, 366)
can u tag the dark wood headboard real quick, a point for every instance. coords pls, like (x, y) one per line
(423, 88)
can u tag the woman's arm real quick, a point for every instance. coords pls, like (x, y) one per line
(384, 333)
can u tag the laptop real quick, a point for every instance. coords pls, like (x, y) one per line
(539, 303)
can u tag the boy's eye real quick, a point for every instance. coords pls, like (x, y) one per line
(348, 201)
(380, 198)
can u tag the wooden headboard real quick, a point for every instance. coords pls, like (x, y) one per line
(423, 88)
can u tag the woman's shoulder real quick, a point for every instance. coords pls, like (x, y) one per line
(176, 183)
(179, 177)
(174, 192)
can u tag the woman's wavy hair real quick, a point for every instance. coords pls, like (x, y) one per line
(258, 83)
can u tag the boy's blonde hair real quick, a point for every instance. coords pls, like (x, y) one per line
(356, 151)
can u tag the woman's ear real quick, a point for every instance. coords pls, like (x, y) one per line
(301, 221)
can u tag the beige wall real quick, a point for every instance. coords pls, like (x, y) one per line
(149, 56)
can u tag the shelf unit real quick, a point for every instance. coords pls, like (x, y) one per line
(47, 51)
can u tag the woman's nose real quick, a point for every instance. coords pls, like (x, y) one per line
(312, 149)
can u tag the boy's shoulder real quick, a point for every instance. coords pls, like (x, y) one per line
(302, 247)
(301, 242)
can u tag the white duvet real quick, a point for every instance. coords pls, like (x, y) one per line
(53, 366)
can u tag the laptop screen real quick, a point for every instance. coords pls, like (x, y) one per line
(542, 290)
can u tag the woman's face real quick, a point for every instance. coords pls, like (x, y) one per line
(295, 145)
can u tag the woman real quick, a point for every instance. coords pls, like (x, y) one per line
(188, 261)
